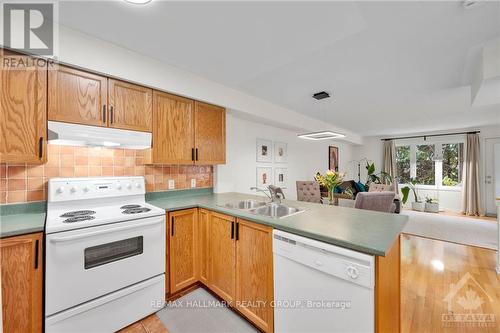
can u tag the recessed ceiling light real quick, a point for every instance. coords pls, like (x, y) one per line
(138, 2)
(323, 135)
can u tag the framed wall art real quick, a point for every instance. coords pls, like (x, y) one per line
(264, 150)
(333, 158)
(264, 177)
(280, 152)
(281, 177)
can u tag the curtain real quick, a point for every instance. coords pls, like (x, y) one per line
(389, 162)
(471, 193)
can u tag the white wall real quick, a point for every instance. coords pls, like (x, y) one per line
(305, 157)
(449, 199)
(85, 51)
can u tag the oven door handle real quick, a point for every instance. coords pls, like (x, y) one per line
(97, 233)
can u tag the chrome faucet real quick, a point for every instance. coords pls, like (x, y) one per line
(275, 193)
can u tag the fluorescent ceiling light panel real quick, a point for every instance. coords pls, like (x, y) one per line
(138, 2)
(323, 135)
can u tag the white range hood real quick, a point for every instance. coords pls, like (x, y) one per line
(82, 135)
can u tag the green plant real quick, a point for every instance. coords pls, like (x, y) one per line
(330, 180)
(447, 181)
(406, 191)
(431, 200)
(377, 178)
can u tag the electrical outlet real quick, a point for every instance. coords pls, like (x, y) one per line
(171, 184)
(193, 182)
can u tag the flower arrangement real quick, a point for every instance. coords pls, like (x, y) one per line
(330, 180)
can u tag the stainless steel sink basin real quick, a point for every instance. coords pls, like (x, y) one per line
(276, 211)
(245, 204)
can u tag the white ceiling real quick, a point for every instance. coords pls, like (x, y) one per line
(392, 67)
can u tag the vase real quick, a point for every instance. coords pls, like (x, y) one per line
(331, 199)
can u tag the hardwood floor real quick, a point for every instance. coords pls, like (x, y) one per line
(151, 324)
(484, 218)
(430, 270)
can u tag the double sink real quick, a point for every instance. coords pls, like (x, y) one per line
(262, 208)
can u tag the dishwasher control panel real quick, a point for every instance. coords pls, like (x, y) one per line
(342, 263)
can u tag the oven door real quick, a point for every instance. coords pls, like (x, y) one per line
(84, 264)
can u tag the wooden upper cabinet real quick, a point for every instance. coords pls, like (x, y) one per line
(130, 106)
(222, 256)
(203, 242)
(254, 273)
(173, 131)
(23, 110)
(77, 96)
(210, 133)
(22, 285)
(183, 246)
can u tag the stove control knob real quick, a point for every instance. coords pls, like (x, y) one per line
(129, 186)
(60, 189)
(119, 187)
(86, 189)
(138, 185)
(74, 189)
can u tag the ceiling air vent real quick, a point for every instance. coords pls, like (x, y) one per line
(321, 95)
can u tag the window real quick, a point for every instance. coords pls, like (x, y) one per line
(426, 174)
(437, 165)
(452, 163)
(403, 164)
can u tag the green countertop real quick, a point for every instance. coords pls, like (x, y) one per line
(360, 230)
(20, 219)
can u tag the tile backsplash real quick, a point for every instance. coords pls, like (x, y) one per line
(23, 183)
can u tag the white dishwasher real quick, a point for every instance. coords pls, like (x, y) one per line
(320, 287)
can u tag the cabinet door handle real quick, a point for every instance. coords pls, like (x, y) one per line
(111, 114)
(40, 147)
(237, 231)
(232, 230)
(36, 253)
(104, 113)
(196, 154)
(172, 226)
(192, 154)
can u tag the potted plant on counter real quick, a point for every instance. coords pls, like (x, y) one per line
(418, 204)
(330, 180)
(431, 205)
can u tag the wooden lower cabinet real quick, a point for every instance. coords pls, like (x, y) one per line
(236, 263)
(388, 290)
(183, 248)
(254, 273)
(22, 283)
(203, 238)
(222, 256)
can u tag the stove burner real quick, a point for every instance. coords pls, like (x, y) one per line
(130, 206)
(136, 210)
(79, 219)
(78, 213)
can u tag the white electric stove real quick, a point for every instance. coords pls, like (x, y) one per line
(105, 254)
